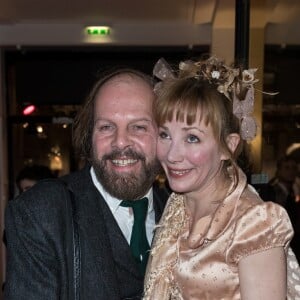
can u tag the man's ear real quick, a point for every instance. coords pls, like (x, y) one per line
(232, 140)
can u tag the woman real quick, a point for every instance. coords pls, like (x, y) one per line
(217, 239)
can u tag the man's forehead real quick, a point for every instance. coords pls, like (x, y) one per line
(125, 94)
(126, 78)
(126, 87)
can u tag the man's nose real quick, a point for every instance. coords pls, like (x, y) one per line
(122, 139)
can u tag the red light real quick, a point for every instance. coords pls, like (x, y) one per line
(28, 110)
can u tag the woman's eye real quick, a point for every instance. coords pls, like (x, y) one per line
(163, 135)
(193, 139)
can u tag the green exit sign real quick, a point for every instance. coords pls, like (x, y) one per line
(97, 30)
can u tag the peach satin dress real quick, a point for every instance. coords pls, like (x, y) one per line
(202, 262)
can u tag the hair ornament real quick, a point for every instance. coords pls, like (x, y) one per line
(243, 109)
(162, 71)
(236, 84)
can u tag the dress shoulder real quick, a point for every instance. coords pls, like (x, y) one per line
(258, 227)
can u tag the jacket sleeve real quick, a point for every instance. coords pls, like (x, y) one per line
(35, 226)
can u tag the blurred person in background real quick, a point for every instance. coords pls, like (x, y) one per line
(30, 175)
(286, 191)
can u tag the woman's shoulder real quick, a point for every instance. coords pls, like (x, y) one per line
(258, 226)
(264, 216)
(250, 200)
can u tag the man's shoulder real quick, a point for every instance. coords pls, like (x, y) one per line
(43, 193)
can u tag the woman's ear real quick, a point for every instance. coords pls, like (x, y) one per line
(232, 140)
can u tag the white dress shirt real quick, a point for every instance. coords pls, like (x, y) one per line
(124, 215)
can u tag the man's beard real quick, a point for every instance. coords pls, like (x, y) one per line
(127, 186)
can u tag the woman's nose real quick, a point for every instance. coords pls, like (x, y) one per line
(175, 153)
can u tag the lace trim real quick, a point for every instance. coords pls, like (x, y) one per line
(163, 273)
(172, 222)
(293, 276)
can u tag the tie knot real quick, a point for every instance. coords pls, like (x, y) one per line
(139, 207)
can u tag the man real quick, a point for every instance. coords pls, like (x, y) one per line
(116, 133)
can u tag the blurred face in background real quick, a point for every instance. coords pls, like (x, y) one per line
(25, 184)
(287, 171)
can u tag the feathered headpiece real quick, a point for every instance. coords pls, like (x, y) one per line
(236, 84)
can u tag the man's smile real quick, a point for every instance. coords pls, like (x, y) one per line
(124, 162)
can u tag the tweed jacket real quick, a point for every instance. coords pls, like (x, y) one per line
(36, 225)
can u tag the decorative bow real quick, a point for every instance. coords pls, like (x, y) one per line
(162, 71)
(242, 109)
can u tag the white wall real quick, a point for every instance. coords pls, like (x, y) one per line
(138, 34)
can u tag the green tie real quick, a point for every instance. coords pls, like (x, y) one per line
(138, 243)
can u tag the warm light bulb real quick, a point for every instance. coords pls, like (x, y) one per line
(39, 129)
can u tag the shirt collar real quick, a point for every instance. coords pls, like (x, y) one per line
(112, 202)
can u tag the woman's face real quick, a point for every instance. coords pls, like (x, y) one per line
(189, 154)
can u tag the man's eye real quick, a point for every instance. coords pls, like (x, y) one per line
(140, 127)
(104, 128)
(193, 139)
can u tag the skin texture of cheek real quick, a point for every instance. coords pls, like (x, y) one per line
(162, 150)
(196, 165)
(198, 158)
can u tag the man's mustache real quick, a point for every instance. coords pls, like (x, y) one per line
(128, 153)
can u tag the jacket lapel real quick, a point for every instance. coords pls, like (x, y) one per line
(96, 252)
(119, 246)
